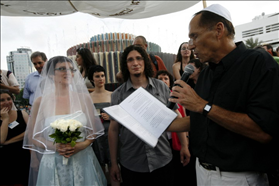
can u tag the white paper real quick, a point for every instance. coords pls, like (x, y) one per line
(144, 115)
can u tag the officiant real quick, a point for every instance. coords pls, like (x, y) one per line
(140, 164)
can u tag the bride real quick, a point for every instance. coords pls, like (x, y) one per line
(61, 94)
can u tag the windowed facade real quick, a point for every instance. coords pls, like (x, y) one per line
(265, 28)
(20, 64)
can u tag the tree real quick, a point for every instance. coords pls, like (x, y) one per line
(250, 43)
(20, 100)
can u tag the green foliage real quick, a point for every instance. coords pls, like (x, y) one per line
(250, 43)
(20, 99)
(66, 137)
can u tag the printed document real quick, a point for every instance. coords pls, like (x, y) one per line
(143, 114)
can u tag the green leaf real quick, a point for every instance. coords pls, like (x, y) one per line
(73, 143)
(52, 135)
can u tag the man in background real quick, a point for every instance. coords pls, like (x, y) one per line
(38, 59)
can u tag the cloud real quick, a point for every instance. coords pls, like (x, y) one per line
(54, 35)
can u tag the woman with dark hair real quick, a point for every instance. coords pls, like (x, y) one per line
(85, 60)
(12, 127)
(63, 98)
(184, 55)
(101, 99)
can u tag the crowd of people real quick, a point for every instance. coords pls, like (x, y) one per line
(225, 133)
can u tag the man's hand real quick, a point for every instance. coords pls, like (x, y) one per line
(185, 155)
(187, 97)
(115, 172)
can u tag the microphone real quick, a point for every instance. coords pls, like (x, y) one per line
(188, 71)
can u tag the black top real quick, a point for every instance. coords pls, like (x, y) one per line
(17, 159)
(245, 81)
(181, 69)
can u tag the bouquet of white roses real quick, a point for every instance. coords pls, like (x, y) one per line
(66, 131)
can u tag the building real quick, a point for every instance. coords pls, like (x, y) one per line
(107, 48)
(20, 64)
(263, 27)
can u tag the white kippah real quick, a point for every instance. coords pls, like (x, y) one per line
(219, 10)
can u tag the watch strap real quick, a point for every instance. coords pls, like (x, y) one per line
(206, 109)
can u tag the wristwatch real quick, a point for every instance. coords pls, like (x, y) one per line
(206, 109)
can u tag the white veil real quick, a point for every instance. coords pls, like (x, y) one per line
(61, 92)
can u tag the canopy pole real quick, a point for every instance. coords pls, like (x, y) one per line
(204, 3)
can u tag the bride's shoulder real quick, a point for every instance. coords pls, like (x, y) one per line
(38, 101)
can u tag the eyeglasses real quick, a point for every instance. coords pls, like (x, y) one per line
(80, 49)
(191, 41)
(64, 69)
(138, 58)
(184, 48)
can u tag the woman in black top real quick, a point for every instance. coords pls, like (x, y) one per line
(101, 98)
(15, 160)
(184, 55)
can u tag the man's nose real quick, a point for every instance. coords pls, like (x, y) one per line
(191, 47)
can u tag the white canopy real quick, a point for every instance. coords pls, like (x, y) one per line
(133, 9)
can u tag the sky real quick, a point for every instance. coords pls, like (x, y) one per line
(55, 35)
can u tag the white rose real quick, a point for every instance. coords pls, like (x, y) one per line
(55, 124)
(74, 124)
(64, 127)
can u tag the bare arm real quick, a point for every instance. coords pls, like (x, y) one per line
(32, 122)
(67, 151)
(176, 69)
(25, 116)
(180, 125)
(5, 122)
(239, 123)
(12, 89)
(15, 139)
(113, 146)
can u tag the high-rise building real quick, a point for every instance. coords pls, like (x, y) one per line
(20, 64)
(265, 28)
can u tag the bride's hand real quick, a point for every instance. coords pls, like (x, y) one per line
(65, 149)
(81, 146)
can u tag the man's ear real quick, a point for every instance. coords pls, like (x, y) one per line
(220, 30)
(146, 46)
